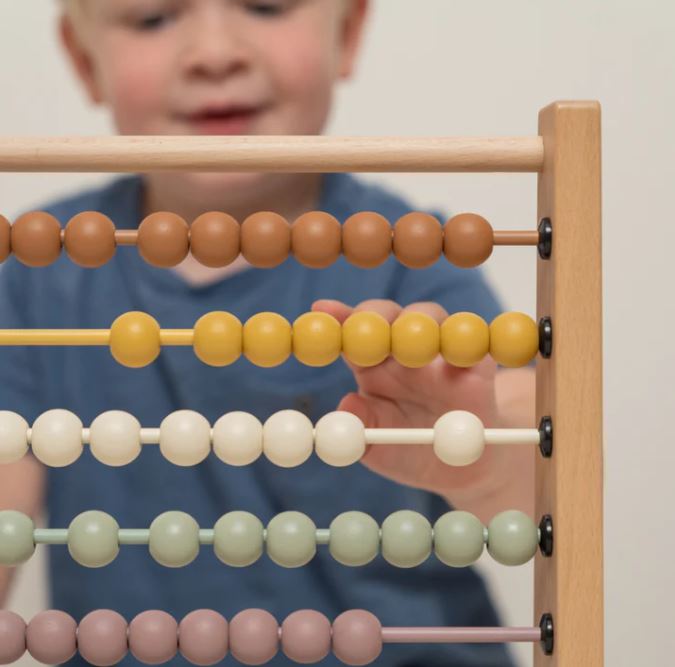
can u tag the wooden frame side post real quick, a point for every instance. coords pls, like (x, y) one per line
(569, 485)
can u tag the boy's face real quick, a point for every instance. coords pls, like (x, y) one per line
(216, 66)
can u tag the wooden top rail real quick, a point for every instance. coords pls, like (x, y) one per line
(301, 154)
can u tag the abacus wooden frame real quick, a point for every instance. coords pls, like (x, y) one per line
(567, 157)
(569, 485)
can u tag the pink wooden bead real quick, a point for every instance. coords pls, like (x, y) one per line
(12, 637)
(305, 636)
(357, 637)
(254, 636)
(51, 637)
(102, 638)
(153, 637)
(202, 637)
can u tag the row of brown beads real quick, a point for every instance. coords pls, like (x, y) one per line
(265, 239)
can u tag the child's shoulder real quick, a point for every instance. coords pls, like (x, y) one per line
(116, 198)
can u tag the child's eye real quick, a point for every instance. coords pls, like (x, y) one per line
(153, 22)
(266, 8)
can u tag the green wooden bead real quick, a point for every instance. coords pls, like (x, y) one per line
(16, 538)
(512, 538)
(93, 539)
(174, 539)
(406, 539)
(238, 539)
(354, 538)
(291, 539)
(458, 539)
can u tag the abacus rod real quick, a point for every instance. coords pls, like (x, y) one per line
(381, 436)
(86, 337)
(315, 154)
(50, 536)
(129, 237)
(30, 337)
(515, 238)
(141, 536)
(441, 635)
(126, 237)
(425, 436)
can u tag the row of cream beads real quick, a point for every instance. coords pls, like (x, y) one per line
(287, 438)
(265, 239)
(203, 637)
(317, 339)
(406, 539)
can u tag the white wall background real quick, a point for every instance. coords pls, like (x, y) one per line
(482, 67)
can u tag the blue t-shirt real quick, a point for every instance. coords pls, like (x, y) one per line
(88, 381)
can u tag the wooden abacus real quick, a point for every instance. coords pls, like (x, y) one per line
(568, 629)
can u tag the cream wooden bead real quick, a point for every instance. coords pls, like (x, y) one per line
(185, 438)
(288, 438)
(13, 437)
(56, 438)
(238, 438)
(115, 438)
(340, 439)
(459, 438)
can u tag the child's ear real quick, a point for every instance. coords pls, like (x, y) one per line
(79, 58)
(351, 35)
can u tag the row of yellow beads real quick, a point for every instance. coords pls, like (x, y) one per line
(318, 339)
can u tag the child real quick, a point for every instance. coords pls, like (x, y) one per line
(263, 67)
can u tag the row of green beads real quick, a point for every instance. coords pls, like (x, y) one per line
(406, 538)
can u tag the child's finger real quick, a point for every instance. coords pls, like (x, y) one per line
(384, 307)
(388, 378)
(433, 310)
(388, 309)
(341, 311)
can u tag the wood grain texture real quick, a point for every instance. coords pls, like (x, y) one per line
(301, 154)
(569, 486)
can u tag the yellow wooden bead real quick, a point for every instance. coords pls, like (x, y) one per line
(317, 339)
(267, 339)
(134, 339)
(465, 339)
(514, 339)
(415, 339)
(366, 339)
(218, 338)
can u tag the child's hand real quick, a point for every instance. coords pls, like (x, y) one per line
(390, 395)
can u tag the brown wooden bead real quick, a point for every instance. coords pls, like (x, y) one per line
(36, 239)
(468, 240)
(5, 232)
(89, 239)
(265, 239)
(366, 239)
(163, 239)
(418, 240)
(214, 239)
(316, 239)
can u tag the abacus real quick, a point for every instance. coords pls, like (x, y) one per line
(567, 542)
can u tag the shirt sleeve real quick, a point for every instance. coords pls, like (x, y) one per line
(19, 376)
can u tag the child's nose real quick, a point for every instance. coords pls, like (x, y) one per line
(214, 51)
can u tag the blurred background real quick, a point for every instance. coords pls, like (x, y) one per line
(484, 67)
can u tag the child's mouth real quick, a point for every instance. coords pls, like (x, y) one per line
(223, 121)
